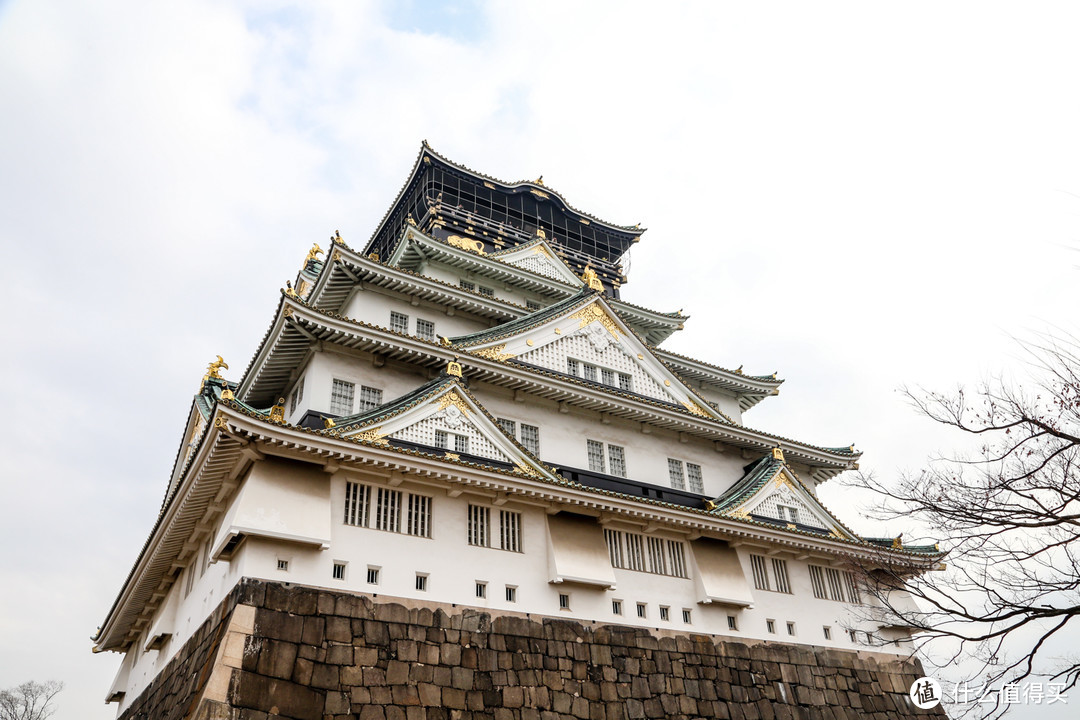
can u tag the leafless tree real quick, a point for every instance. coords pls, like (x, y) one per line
(29, 701)
(1008, 514)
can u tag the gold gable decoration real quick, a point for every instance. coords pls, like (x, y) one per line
(738, 514)
(372, 435)
(596, 313)
(452, 398)
(277, 413)
(495, 352)
(695, 408)
(541, 250)
(453, 368)
(526, 470)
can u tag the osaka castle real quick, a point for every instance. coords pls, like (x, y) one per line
(464, 414)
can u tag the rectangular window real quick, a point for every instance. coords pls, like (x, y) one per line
(633, 551)
(425, 330)
(836, 590)
(530, 438)
(791, 628)
(564, 601)
(590, 373)
(635, 554)
(356, 504)
(442, 439)
(827, 631)
(665, 613)
(852, 587)
(532, 305)
(817, 580)
(341, 397)
(616, 607)
(854, 637)
(461, 443)
(373, 575)
(607, 377)
(614, 547)
(339, 571)
(572, 367)
(678, 558)
(421, 582)
(479, 525)
(770, 626)
(508, 425)
(657, 561)
(693, 474)
(675, 474)
(617, 460)
(510, 530)
(370, 398)
(788, 513)
(780, 574)
(511, 594)
(596, 455)
(467, 285)
(481, 590)
(642, 610)
(869, 638)
(731, 623)
(625, 382)
(418, 521)
(686, 616)
(297, 396)
(399, 322)
(388, 510)
(760, 571)
(283, 565)
(486, 291)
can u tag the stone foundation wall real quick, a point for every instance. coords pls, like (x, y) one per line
(274, 651)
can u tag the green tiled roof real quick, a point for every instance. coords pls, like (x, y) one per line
(755, 478)
(406, 401)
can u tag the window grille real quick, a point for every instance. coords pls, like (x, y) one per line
(481, 590)
(442, 439)
(573, 367)
(678, 558)
(614, 547)
(675, 474)
(421, 582)
(283, 565)
(760, 572)
(373, 576)
(419, 519)
(817, 580)
(642, 610)
(486, 291)
(836, 590)
(770, 626)
(508, 425)
(617, 459)
(356, 504)
(388, 510)
(616, 607)
(370, 398)
(341, 397)
(607, 377)
(693, 474)
(791, 628)
(596, 455)
(788, 513)
(468, 285)
(657, 562)
(530, 438)
(665, 613)
(853, 636)
(511, 594)
(510, 530)
(532, 305)
(635, 555)
(626, 382)
(399, 322)
(828, 632)
(479, 524)
(339, 571)
(564, 601)
(780, 574)
(590, 372)
(425, 330)
(461, 443)
(686, 616)
(731, 623)
(852, 588)
(833, 584)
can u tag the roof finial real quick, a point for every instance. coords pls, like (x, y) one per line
(289, 289)
(313, 253)
(212, 369)
(591, 279)
(409, 219)
(539, 180)
(898, 542)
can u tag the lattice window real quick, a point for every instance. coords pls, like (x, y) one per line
(461, 443)
(590, 372)
(657, 561)
(297, 396)
(341, 397)
(532, 305)
(573, 367)
(617, 460)
(677, 553)
(508, 425)
(675, 474)
(780, 574)
(817, 580)
(607, 376)
(693, 473)
(467, 284)
(788, 513)
(433, 431)
(489, 292)
(596, 455)
(370, 398)
(614, 547)
(442, 439)
(832, 584)
(635, 554)
(760, 571)
(425, 330)
(479, 526)
(399, 322)
(633, 551)
(773, 506)
(626, 382)
(388, 510)
(510, 530)
(530, 438)
(419, 519)
(357, 497)
(852, 587)
(557, 355)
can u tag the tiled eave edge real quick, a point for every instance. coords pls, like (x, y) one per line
(749, 389)
(559, 387)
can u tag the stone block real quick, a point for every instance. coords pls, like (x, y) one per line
(278, 625)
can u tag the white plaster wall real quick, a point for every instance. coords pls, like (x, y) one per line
(728, 404)
(454, 276)
(374, 306)
(393, 379)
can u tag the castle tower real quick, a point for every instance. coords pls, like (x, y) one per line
(464, 415)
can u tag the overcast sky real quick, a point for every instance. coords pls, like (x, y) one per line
(856, 195)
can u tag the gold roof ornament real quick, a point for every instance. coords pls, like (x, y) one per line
(452, 456)
(337, 238)
(289, 290)
(778, 454)
(595, 313)
(540, 233)
(591, 278)
(328, 423)
(313, 254)
(453, 367)
(897, 542)
(476, 246)
(277, 413)
(539, 181)
(212, 369)
(495, 352)
(409, 219)
(227, 394)
(445, 341)
(710, 505)
(374, 256)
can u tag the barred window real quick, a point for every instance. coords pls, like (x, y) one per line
(356, 504)
(635, 555)
(370, 398)
(467, 284)
(788, 513)
(607, 376)
(479, 526)
(616, 607)
(341, 397)
(425, 330)
(399, 322)
(678, 558)
(510, 530)
(633, 551)
(486, 291)
(596, 455)
(770, 626)
(297, 396)
(642, 610)
(419, 519)
(626, 382)
(780, 574)
(614, 548)
(675, 474)
(817, 580)
(508, 425)
(572, 367)
(461, 443)
(590, 372)
(532, 305)
(832, 584)
(530, 438)
(665, 613)
(693, 474)
(617, 460)
(339, 571)
(511, 594)
(442, 439)
(388, 510)
(657, 559)
(852, 587)
(760, 571)
(686, 616)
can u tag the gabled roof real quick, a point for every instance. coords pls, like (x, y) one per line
(580, 313)
(439, 398)
(539, 257)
